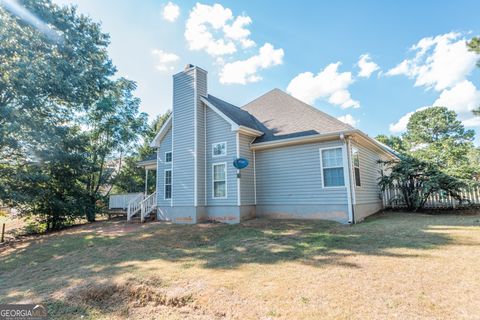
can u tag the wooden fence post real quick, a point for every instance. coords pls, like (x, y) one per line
(3, 233)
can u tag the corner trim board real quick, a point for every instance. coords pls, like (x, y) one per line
(238, 171)
(195, 141)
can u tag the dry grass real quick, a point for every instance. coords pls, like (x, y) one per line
(14, 226)
(400, 266)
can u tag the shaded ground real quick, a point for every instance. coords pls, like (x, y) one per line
(13, 226)
(398, 265)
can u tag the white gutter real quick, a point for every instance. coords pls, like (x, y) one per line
(298, 140)
(249, 131)
(379, 146)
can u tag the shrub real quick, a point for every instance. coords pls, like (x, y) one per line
(417, 180)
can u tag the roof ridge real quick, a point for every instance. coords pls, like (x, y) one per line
(319, 111)
(303, 103)
(257, 98)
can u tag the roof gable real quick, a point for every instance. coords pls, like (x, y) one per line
(235, 114)
(282, 116)
(161, 134)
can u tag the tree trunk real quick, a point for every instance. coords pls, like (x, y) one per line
(90, 209)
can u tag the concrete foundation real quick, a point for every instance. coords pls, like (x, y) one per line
(191, 215)
(335, 212)
(236, 214)
(361, 211)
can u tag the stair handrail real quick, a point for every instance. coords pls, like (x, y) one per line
(134, 206)
(147, 205)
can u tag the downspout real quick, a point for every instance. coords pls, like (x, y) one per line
(351, 178)
(347, 173)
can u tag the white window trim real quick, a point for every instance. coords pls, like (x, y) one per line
(171, 158)
(353, 168)
(171, 184)
(220, 155)
(321, 169)
(213, 180)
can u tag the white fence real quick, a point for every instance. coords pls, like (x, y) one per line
(392, 199)
(120, 201)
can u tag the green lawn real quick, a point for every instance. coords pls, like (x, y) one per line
(396, 265)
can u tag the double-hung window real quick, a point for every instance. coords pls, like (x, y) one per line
(168, 157)
(219, 180)
(219, 149)
(356, 166)
(168, 184)
(332, 167)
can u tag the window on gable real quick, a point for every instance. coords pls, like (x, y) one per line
(219, 149)
(168, 184)
(168, 157)
(219, 180)
(332, 167)
(356, 166)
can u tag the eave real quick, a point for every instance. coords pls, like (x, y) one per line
(163, 130)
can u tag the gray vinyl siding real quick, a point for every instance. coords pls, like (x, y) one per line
(183, 124)
(219, 130)
(184, 104)
(369, 190)
(165, 146)
(201, 91)
(247, 182)
(292, 176)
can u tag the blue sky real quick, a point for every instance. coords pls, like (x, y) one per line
(311, 50)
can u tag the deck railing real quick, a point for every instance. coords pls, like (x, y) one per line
(121, 201)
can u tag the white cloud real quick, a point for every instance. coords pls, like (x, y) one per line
(328, 84)
(245, 71)
(462, 98)
(472, 122)
(401, 124)
(165, 60)
(367, 66)
(215, 30)
(440, 62)
(349, 119)
(171, 11)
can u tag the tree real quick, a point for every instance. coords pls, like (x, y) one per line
(50, 184)
(51, 67)
(131, 178)
(417, 181)
(474, 45)
(113, 125)
(63, 120)
(396, 143)
(47, 68)
(437, 136)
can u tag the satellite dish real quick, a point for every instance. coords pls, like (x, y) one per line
(240, 163)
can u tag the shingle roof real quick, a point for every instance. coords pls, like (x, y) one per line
(149, 158)
(283, 116)
(237, 115)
